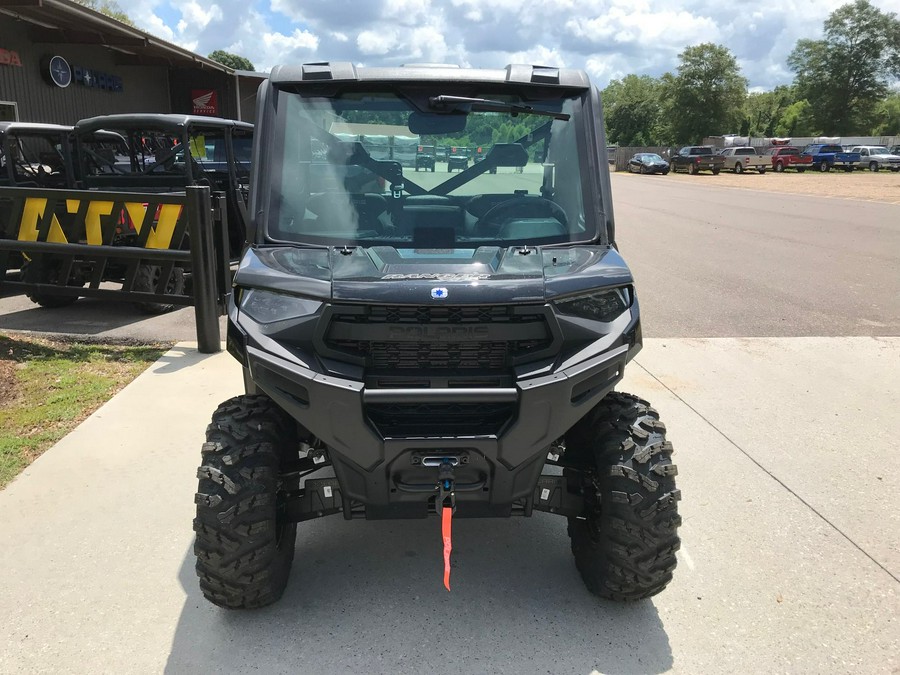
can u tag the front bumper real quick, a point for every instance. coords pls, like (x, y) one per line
(387, 475)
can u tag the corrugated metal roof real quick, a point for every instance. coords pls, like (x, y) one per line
(67, 22)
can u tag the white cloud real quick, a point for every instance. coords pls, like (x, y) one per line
(608, 38)
(299, 39)
(156, 26)
(601, 70)
(428, 43)
(376, 43)
(645, 28)
(288, 8)
(408, 12)
(540, 56)
(194, 15)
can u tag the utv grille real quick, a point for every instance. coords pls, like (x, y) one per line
(407, 314)
(451, 355)
(390, 338)
(396, 420)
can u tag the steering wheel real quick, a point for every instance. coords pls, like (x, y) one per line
(525, 206)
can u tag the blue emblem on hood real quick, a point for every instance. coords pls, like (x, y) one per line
(438, 293)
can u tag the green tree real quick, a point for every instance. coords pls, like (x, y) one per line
(632, 110)
(887, 116)
(110, 8)
(231, 60)
(707, 95)
(796, 120)
(763, 111)
(846, 74)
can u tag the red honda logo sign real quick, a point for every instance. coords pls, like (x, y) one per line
(205, 101)
(9, 58)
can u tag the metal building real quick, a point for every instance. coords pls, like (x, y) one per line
(61, 62)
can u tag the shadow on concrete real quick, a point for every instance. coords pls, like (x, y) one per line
(368, 597)
(87, 316)
(177, 359)
(103, 319)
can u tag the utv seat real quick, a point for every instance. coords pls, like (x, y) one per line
(348, 214)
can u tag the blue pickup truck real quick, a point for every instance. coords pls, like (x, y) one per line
(826, 156)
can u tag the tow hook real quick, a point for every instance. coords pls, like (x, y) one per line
(446, 491)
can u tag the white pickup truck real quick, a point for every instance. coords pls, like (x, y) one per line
(743, 158)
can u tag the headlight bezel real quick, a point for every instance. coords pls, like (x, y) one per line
(266, 306)
(603, 305)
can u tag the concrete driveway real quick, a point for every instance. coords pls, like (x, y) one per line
(790, 561)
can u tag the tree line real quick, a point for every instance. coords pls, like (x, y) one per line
(842, 86)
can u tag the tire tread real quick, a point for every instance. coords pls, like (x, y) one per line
(625, 544)
(240, 562)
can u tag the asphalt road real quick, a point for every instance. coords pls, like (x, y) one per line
(716, 262)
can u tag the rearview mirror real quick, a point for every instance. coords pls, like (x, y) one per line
(436, 124)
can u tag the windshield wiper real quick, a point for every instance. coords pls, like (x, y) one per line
(490, 105)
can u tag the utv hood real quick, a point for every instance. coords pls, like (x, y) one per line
(388, 275)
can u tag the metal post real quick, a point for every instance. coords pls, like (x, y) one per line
(203, 269)
(223, 255)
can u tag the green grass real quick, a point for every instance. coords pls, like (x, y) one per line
(47, 387)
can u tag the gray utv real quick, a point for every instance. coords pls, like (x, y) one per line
(430, 343)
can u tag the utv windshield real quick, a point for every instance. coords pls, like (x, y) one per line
(332, 185)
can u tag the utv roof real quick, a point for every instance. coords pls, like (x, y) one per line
(344, 71)
(53, 129)
(173, 122)
(32, 127)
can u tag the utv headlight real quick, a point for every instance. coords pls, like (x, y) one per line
(603, 306)
(266, 306)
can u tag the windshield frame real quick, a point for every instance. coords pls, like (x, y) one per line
(272, 121)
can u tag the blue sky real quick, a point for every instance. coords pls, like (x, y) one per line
(608, 38)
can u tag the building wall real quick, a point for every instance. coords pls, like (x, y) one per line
(183, 82)
(145, 88)
(248, 88)
(154, 89)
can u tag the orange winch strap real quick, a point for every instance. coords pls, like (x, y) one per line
(446, 515)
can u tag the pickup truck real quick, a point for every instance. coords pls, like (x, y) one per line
(826, 156)
(877, 157)
(788, 157)
(696, 158)
(741, 159)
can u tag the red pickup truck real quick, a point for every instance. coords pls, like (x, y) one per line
(789, 157)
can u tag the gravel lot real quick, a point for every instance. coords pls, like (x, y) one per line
(882, 186)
